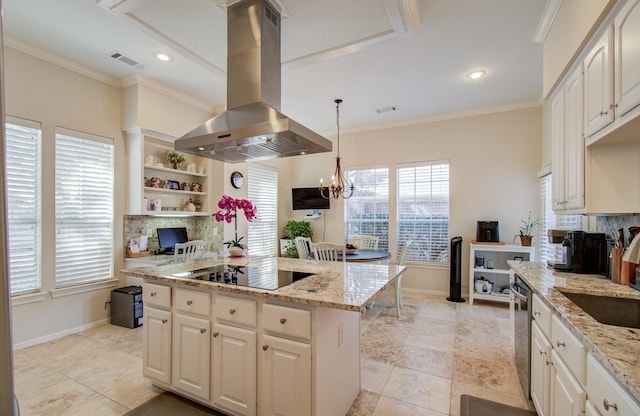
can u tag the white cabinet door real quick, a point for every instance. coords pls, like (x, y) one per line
(627, 56)
(286, 377)
(156, 361)
(574, 141)
(234, 369)
(598, 81)
(589, 410)
(557, 150)
(191, 355)
(567, 396)
(540, 370)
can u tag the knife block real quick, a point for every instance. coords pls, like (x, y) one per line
(628, 273)
(616, 264)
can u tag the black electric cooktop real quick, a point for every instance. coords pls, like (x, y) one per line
(258, 277)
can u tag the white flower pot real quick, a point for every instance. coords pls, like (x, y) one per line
(235, 251)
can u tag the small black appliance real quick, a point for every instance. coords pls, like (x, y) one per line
(126, 306)
(488, 232)
(584, 253)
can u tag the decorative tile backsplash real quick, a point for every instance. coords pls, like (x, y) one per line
(198, 228)
(610, 224)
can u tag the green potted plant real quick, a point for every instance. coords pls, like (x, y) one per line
(295, 229)
(175, 158)
(527, 228)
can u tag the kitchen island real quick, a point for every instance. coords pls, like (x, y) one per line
(292, 350)
(614, 349)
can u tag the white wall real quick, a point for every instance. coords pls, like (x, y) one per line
(39, 91)
(493, 158)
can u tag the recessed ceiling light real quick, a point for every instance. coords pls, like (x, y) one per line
(479, 73)
(163, 56)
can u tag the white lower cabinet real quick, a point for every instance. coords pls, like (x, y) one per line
(286, 377)
(606, 396)
(589, 410)
(540, 370)
(567, 395)
(156, 361)
(191, 355)
(234, 369)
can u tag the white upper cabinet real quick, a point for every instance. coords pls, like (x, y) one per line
(598, 80)
(627, 57)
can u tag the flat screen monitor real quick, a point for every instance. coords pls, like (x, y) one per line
(308, 198)
(169, 237)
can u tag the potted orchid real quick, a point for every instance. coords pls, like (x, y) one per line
(229, 207)
(526, 230)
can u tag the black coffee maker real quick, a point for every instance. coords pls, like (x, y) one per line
(584, 253)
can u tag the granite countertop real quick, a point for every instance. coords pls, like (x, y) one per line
(616, 348)
(337, 285)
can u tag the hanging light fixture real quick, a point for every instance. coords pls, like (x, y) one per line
(338, 186)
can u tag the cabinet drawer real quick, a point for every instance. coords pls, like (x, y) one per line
(542, 315)
(236, 310)
(569, 348)
(156, 295)
(193, 301)
(603, 389)
(287, 321)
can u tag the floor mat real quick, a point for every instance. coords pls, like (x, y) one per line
(169, 404)
(475, 406)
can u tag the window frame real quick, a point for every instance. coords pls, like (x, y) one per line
(262, 232)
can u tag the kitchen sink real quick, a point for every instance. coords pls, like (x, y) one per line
(607, 309)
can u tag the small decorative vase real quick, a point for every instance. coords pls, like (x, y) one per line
(174, 165)
(526, 240)
(235, 251)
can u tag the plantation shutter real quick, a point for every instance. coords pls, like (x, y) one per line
(84, 208)
(423, 210)
(22, 147)
(367, 211)
(263, 193)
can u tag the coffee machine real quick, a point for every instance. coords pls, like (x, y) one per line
(584, 253)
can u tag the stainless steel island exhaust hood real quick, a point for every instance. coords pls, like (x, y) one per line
(252, 127)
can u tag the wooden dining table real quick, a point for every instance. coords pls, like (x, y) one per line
(366, 255)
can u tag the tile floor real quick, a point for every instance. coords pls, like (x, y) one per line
(418, 364)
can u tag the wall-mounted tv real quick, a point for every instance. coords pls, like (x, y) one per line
(308, 198)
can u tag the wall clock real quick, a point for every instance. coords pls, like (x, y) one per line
(237, 180)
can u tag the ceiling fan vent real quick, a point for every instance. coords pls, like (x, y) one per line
(120, 57)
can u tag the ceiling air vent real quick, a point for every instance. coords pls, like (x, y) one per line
(120, 57)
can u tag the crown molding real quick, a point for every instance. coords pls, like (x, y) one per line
(546, 20)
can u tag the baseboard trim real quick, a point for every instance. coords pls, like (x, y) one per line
(60, 334)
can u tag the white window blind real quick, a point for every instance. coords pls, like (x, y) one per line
(423, 210)
(84, 208)
(23, 161)
(263, 193)
(550, 221)
(367, 211)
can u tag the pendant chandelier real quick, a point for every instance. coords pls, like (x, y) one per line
(338, 186)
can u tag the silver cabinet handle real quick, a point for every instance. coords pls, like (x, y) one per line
(536, 313)
(189, 302)
(164, 321)
(152, 294)
(232, 311)
(604, 113)
(283, 320)
(203, 330)
(560, 344)
(543, 353)
(549, 362)
(265, 347)
(607, 405)
(215, 334)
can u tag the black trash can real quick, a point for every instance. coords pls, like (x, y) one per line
(455, 270)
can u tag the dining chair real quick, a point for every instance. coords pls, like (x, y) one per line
(365, 242)
(401, 259)
(326, 251)
(303, 246)
(190, 250)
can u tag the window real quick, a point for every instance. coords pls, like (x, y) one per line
(367, 211)
(23, 204)
(550, 221)
(423, 210)
(262, 190)
(84, 208)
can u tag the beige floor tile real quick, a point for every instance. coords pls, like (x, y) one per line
(133, 393)
(426, 360)
(387, 406)
(115, 369)
(56, 399)
(495, 375)
(364, 405)
(374, 375)
(420, 389)
(99, 406)
(70, 347)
